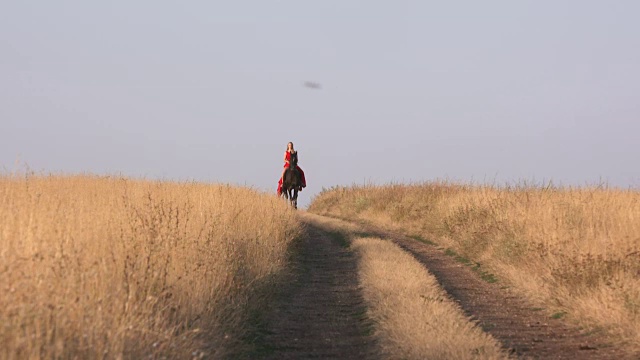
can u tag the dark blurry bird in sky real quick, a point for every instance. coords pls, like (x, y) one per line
(312, 85)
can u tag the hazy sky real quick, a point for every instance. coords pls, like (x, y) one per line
(411, 90)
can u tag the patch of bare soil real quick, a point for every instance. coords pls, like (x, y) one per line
(321, 312)
(524, 330)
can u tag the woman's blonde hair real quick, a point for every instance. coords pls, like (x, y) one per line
(292, 148)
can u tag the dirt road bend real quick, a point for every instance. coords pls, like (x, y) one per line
(525, 330)
(321, 313)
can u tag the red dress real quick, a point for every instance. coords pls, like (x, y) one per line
(287, 156)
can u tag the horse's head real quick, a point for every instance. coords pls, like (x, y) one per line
(293, 161)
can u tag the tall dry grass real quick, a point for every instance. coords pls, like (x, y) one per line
(575, 249)
(109, 267)
(415, 319)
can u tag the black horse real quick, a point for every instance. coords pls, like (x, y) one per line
(291, 181)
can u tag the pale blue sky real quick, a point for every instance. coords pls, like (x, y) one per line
(411, 90)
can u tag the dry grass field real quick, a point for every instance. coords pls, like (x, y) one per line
(108, 267)
(576, 250)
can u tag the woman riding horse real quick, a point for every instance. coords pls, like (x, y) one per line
(287, 158)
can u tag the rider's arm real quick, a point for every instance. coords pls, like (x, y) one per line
(285, 157)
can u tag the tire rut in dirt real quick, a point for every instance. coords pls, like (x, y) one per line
(524, 330)
(321, 314)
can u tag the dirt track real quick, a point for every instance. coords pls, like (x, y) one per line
(523, 328)
(322, 314)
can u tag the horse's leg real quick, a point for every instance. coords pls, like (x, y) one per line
(295, 198)
(290, 198)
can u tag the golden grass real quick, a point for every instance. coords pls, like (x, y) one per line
(575, 249)
(414, 317)
(108, 267)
